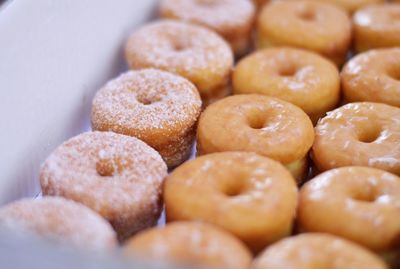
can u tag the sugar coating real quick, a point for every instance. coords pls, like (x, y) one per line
(156, 106)
(189, 50)
(222, 15)
(128, 193)
(61, 220)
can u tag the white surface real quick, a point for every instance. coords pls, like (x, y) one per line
(54, 55)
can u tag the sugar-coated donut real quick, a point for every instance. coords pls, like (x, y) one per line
(316, 26)
(118, 176)
(298, 76)
(352, 5)
(249, 195)
(377, 26)
(257, 123)
(59, 220)
(373, 76)
(364, 134)
(232, 19)
(361, 204)
(193, 244)
(317, 251)
(157, 107)
(191, 51)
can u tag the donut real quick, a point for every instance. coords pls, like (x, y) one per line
(232, 19)
(317, 251)
(319, 27)
(257, 123)
(359, 134)
(117, 176)
(155, 106)
(260, 3)
(251, 196)
(193, 244)
(361, 204)
(352, 5)
(297, 76)
(59, 220)
(192, 51)
(373, 76)
(377, 26)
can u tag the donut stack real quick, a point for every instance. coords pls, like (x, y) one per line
(294, 107)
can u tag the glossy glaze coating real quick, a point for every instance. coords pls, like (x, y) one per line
(373, 76)
(377, 26)
(317, 251)
(251, 196)
(193, 244)
(319, 27)
(298, 76)
(363, 134)
(358, 203)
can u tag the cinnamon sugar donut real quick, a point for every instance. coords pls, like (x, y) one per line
(159, 108)
(373, 76)
(193, 244)
(232, 19)
(358, 203)
(300, 77)
(191, 51)
(257, 123)
(319, 27)
(249, 195)
(317, 251)
(364, 134)
(118, 176)
(377, 26)
(352, 5)
(59, 220)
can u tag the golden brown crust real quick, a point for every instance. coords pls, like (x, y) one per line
(317, 251)
(251, 196)
(232, 19)
(256, 123)
(192, 51)
(117, 176)
(363, 134)
(373, 76)
(358, 203)
(159, 108)
(377, 26)
(319, 27)
(297, 76)
(191, 244)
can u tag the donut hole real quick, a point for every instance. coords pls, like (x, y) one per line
(178, 47)
(307, 15)
(235, 186)
(287, 71)
(105, 167)
(395, 74)
(207, 3)
(233, 191)
(364, 197)
(147, 100)
(369, 136)
(256, 122)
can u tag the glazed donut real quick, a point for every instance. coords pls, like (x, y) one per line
(251, 196)
(191, 51)
(377, 26)
(352, 5)
(232, 19)
(361, 204)
(157, 107)
(319, 27)
(59, 220)
(191, 244)
(364, 134)
(118, 176)
(373, 76)
(297, 76)
(257, 123)
(317, 251)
